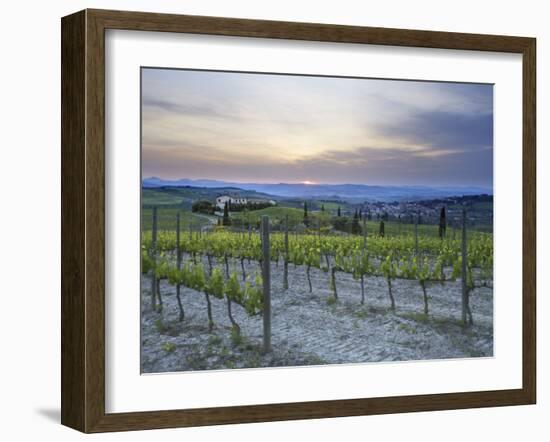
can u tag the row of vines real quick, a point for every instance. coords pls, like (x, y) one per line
(213, 260)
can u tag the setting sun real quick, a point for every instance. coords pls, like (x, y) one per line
(307, 182)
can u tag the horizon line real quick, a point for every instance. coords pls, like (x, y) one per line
(313, 183)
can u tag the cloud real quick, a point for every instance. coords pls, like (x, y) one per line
(401, 166)
(397, 166)
(186, 109)
(251, 127)
(443, 130)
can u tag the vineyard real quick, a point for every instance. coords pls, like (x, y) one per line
(251, 287)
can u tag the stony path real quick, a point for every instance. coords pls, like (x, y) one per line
(307, 329)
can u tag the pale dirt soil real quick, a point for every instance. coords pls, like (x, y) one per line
(307, 330)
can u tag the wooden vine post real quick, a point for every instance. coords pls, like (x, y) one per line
(285, 269)
(364, 234)
(154, 259)
(266, 275)
(178, 263)
(363, 256)
(178, 249)
(416, 234)
(464, 269)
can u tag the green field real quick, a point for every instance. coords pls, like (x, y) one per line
(296, 216)
(331, 206)
(185, 196)
(150, 197)
(394, 228)
(167, 219)
(276, 214)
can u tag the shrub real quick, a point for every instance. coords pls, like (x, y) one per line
(203, 206)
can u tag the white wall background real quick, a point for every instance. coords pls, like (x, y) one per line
(30, 216)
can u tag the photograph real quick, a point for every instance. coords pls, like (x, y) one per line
(304, 220)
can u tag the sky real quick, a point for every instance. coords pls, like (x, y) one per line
(264, 128)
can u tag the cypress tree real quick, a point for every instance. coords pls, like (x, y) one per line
(355, 227)
(306, 219)
(442, 223)
(322, 207)
(226, 219)
(339, 212)
(382, 229)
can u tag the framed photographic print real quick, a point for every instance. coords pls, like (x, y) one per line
(270, 220)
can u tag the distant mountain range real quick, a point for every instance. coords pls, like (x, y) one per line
(348, 192)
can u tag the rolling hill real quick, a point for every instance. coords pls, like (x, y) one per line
(350, 192)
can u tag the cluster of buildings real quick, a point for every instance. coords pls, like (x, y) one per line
(240, 201)
(395, 210)
(429, 210)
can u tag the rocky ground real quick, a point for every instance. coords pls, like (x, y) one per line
(310, 329)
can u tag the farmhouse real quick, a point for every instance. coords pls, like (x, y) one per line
(221, 200)
(235, 202)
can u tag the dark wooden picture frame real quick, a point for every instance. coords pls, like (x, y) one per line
(83, 220)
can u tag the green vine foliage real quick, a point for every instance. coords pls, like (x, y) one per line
(215, 285)
(390, 257)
